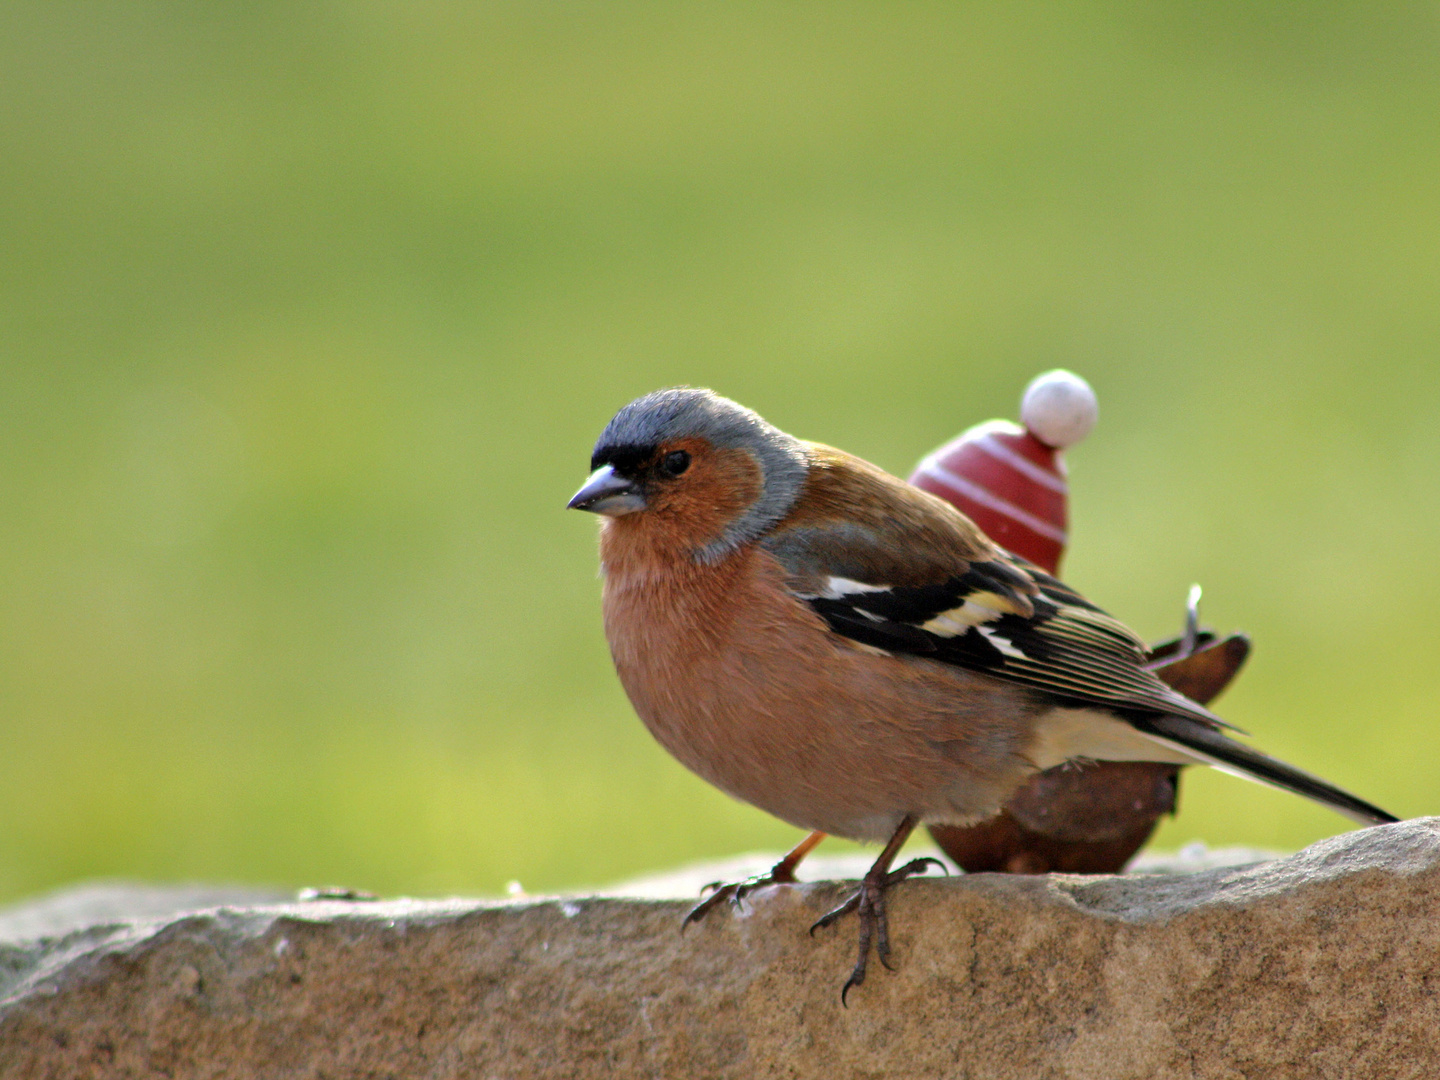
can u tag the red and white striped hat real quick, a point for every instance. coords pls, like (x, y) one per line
(1010, 480)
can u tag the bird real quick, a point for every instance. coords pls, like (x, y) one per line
(853, 655)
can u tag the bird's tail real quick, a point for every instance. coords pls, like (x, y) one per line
(1226, 754)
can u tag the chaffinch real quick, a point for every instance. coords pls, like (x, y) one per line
(852, 654)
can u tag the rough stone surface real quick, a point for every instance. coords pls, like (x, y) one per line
(1323, 964)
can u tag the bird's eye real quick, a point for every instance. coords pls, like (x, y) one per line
(675, 463)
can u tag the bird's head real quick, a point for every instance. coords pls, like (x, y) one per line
(707, 473)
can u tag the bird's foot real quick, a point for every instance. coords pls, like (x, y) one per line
(735, 891)
(782, 873)
(868, 903)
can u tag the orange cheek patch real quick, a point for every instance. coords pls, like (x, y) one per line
(718, 487)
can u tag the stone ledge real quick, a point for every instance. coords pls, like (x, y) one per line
(1322, 964)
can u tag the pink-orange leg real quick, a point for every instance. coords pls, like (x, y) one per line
(782, 873)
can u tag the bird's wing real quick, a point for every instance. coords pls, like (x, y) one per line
(895, 568)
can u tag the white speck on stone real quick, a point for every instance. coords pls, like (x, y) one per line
(281, 947)
(569, 910)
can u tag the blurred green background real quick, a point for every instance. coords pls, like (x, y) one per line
(310, 313)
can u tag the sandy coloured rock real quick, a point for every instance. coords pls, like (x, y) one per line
(1322, 964)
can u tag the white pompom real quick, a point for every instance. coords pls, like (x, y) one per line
(1059, 408)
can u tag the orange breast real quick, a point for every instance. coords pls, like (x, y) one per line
(748, 688)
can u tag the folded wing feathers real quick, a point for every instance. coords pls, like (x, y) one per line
(997, 618)
(998, 614)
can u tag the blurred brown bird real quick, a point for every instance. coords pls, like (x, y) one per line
(850, 653)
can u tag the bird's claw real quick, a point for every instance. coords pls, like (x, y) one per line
(831, 917)
(869, 905)
(919, 866)
(718, 895)
(734, 892)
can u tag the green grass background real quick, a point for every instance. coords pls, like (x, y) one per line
(310, 313)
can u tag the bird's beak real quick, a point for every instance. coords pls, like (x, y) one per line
(608, 493)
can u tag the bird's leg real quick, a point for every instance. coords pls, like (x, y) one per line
(868, 903)
(782, 873)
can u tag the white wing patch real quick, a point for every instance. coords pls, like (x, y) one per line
(837, 588)
(1004, 644)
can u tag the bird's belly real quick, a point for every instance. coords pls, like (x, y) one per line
(785, 715)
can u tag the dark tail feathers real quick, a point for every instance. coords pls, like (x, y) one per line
(1227, 754)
